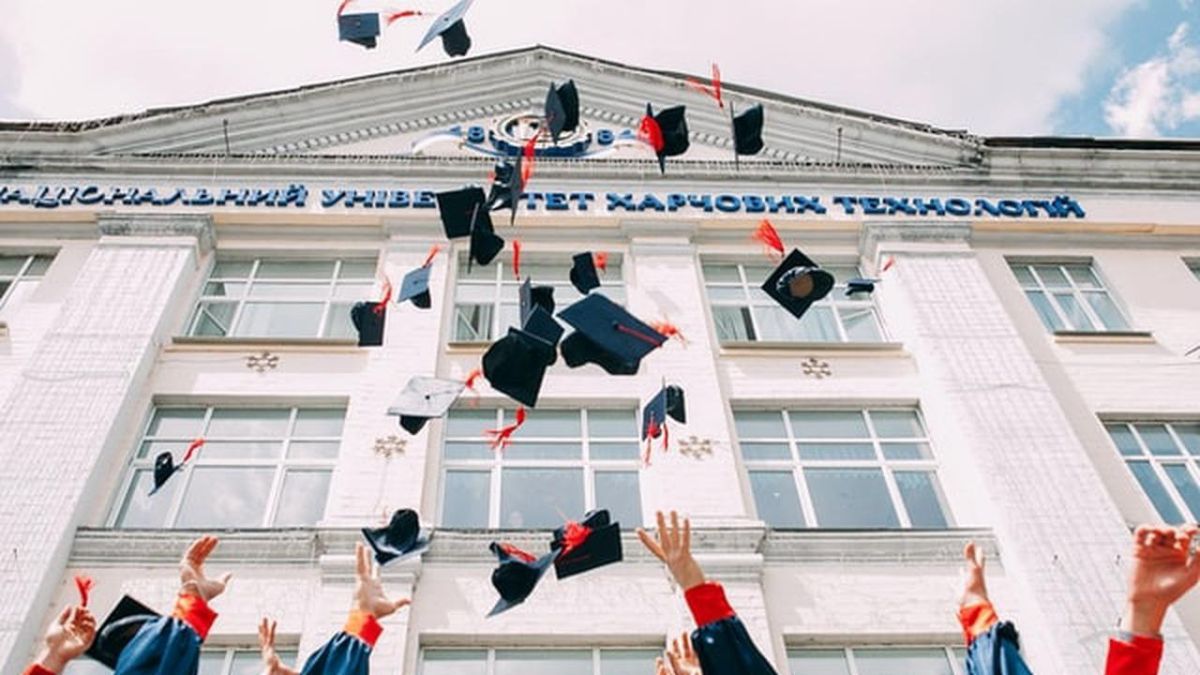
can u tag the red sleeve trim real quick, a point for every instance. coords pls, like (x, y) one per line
(977, 619)
(36, 669)
(1137, 656)
(708, 604)
(195, 612)
(363, 626)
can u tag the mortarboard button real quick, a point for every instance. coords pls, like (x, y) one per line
(747, 131)
(459, 209)
(859, 285)
(401, 537)
(415, 287)
(452, 29)
(118, 629)
(797, 283)
(515, 365)
(585, 546)
(361, 29)
(562, 109)
(368, 318)
(423, 399)
(583, 272)
(607, 335)
(517, 575)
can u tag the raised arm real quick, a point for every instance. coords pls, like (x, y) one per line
(991, 643)
(68, 636)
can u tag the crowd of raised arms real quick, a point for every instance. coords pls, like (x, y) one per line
(1165, 567)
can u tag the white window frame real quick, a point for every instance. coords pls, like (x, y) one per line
(955, 655)
(325, 294)
(281, 465)
(796, 465)
(24, 274)
(1194, 266)
(490, 654)
(499, 461)
(1079, 293)
(287, 652)
(753, 296)
(1188, 459)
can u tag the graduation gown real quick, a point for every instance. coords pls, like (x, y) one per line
(721, 641)
(992, 645)
(348, 652)
(1133, 655)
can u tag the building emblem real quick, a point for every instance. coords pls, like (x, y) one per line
(814, 367)
(696, 447)
(262, 362)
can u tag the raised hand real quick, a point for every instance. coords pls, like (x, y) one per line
(191, 571)
(67, 638)
(674, 547)
(682, 657)
(1164, 569)
(266, 644)
(974, 584)
(368, 589)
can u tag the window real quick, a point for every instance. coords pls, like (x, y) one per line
(258, 467)
(744, 313)
(19, 275)
(850, 469)
(212, 662)
(1165, 461)
(1069, 297)
(1194, 266)
(537, 662)
(553, 470)
(486, 299)
(879, 661)
(282, 298)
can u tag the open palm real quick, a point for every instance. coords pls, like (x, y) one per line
(1164, 566)
(270, 658)
(191, 570)
(369, 596)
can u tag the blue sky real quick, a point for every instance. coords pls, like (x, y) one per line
(991, 67)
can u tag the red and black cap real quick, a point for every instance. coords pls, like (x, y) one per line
(585, 546)
(452, 29)
(797, 283)
(118, 630)
(423, 399)
(666, 132)
(518, 574)
(668, 402)
(165, 466)
(607, 335)
(400, 538)
(369, 319)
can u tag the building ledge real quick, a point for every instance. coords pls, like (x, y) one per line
(188, 343)
(774, 348)
(876, 546)
(1105, 337)
(464, 347)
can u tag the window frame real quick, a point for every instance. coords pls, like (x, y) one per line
(495, 465)
(1193, 265)
(1078, 293)
(23, 274)
(887, 467)
(281, 464)
(955, 655)
(491, 651)
(1190, 460)
(288, 653)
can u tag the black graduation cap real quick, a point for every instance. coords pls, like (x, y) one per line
(164, 468)
(562, 109)
(368, 318)
(601, 545)
(460, 209)
(860, 285)
(361, 29)
(583, 272)
(401, 537)
(423, 399)
(118, 629)
(667, 402)
(537, 316)
(672, 122)
(452, 29)
(500, 193)
(535, 296)
(747, 131)
(516, 365)
(485, 243)
(516, 577)
(607, 335)
(415, 287)
(797, 283)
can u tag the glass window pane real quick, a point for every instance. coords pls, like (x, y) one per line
(225, 497)
(296, 269)
(777, 499)
(818, 662)
(453, 662)
(232, 269)
(1082, 276)
(834, 451)
(268, 319)
(212, 662)
(618, 492)
(552, 424)
(776, 324)
(468, 450)
(522, 449)
(214, 319)
(317, 422)
(1189, 435)
(759, 424)
(1124, 439)
(241, 450)
(302, 502)
(88, 667)
(902, 451)
(1077, 319)
(1024, 276)
(818, 325)
(539, 498)
(467, 423)
(224, 289)
(1158, 440)
(528, 662)
(140, 510)
(615, 451)
(11, 265)
(626, 661)
(612, 424)
(152, 449)
(829, 424)
(246, 662)
(726, 294)
(897, 424)
(1154, 489)
(1107, 310)
(338, 324)
(177, 423)
(266, 290)
(357, 269)
(720, 272)
(1051, 276)
(922, 496)
(752, 451)
(902, 662)
(248, 423)
(861, 325)
(472, 323)
(733, 324)
(1185, 485)
(465, 499)
(313, 450)
(851, 498)
(1045, 310)
(354, 292)
(38, 267)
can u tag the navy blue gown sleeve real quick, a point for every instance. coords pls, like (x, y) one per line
(348, 652)
(169, 645)
(996, 652)
(721, 641)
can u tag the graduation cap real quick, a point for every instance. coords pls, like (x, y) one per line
(586, 546)
(668, 402)
(747, 131)
(361, 29)
(517, 576)
(165, 466)
(118, 629)
(485, 243)
(368, 318)
(452, 29)
(516, 365)
(460, 209)
(859, 285)
(583, 273)
(537, 316)
(423, 399)
(607, 335)
(666, 132)
(562, 109)
(797, 283)
(415, 287)
(500, 194)
(401, 537)
(535, 296)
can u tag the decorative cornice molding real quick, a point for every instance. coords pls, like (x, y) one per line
(199, 226)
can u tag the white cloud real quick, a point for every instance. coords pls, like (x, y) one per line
(992, 66)
(1159, 94)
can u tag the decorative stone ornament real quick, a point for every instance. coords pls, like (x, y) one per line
(814, 367)
(387, 446)
(263, 362)
(696, 447)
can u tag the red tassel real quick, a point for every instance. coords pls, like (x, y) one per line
(516, 259)
(669, 329)
(639, 335)
(517, 553)
(84, 583)
(716, 79)
(601, 260)
(501, 438)
(342, 7)
(433, 251)
(713, 91)
(473, 378)
(666, 437)
(891, 261)
(650, 132)
(529, 154)
(191, 450)
(396, 16)
(769, 237)
(574, 535)
(646, 454)
(381, 306)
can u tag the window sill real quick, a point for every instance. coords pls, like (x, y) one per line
(750, 348)
(1106, 337)
(193, 343)
(460, 347)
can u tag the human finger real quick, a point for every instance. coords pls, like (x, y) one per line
(651, 545)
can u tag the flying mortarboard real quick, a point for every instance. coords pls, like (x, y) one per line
(118, 629)
(401, 537)
(485, 243)
(500, 193)
(583, 273)
(670, 137)
(797, 283)
(517, 575)
(361, 29)
(747, 131)
(368, 318)
(452, 29)
(562, 109)
(537, 316)
(415, 287)
(460, 209)
(668, 402)
(586, 546)
(516, 364)
(165, 466)
(423, 399)
(535, 296)
(607, 335)
(858, 285)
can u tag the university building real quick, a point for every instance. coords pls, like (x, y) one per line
(1024, 374)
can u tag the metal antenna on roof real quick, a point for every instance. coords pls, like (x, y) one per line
(225, 125)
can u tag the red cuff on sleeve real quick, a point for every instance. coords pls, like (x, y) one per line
(36, 669)
(195, 612)
(363, 626)
(1138, 656)
(976, 619)
(708, 604)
